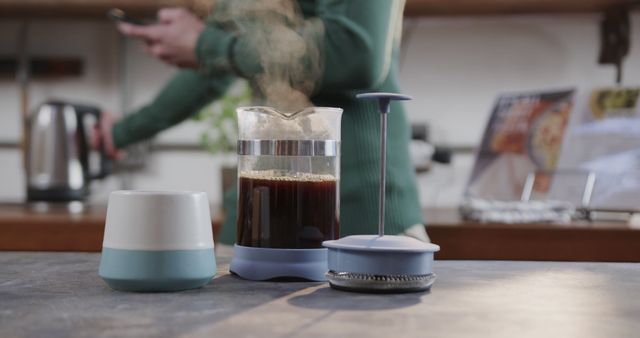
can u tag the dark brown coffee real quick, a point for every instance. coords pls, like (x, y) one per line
(287, 212)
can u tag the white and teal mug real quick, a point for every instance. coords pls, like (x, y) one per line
(157, 241)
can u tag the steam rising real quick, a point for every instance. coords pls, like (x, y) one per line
(287, 47)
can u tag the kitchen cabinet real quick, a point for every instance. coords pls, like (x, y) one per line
(97, 8)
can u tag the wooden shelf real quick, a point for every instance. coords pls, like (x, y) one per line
(96, 9)
(498, 7)
(91, 9)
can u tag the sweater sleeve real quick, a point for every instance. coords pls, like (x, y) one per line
(185, 94)
(356, 40)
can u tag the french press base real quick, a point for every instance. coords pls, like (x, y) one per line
(264, 263)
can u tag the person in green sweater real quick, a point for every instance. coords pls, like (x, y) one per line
(358, 44)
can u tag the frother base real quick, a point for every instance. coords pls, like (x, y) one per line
(265, 264)
(358, 282)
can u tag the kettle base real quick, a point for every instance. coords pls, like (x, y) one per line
(261, 264)
(56, 194)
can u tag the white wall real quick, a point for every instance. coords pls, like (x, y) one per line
(454, 68)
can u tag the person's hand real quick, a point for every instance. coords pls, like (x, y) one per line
(173, 39)
(102, 137)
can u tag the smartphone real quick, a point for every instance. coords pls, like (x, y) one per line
(116, 14)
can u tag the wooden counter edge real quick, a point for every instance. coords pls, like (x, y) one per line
(57, 236)
(541, 244)
(456, 242)
(611, 242)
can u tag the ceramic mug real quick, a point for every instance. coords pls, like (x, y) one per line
(157, 241)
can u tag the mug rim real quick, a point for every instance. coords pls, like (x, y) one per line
(156, 192)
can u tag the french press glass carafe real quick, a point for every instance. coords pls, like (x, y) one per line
(288, 191)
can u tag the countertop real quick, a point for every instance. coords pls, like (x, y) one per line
(60, 295)
(41, 227)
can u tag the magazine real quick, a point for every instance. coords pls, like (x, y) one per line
(523, 137)
(603, 139)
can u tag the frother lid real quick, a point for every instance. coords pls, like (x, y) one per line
(381, 243)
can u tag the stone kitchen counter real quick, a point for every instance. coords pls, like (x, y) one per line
(45, 294)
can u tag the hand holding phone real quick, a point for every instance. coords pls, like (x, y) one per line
(172, 38)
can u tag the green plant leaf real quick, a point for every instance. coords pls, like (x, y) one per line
(219, 116)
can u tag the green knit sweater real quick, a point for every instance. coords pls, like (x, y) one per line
(360, 41)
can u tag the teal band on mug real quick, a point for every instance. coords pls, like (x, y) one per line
(154, 271)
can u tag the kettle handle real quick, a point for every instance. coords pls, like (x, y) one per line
(106, 164)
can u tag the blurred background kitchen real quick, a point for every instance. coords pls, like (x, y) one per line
(454, 66)
(456, 58)
(454, 63)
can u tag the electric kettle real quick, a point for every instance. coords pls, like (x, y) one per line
(58, 152)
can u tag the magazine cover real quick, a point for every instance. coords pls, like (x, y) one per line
(523, 136)
(603, 138)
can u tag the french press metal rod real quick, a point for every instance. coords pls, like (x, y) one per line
(384, 106)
